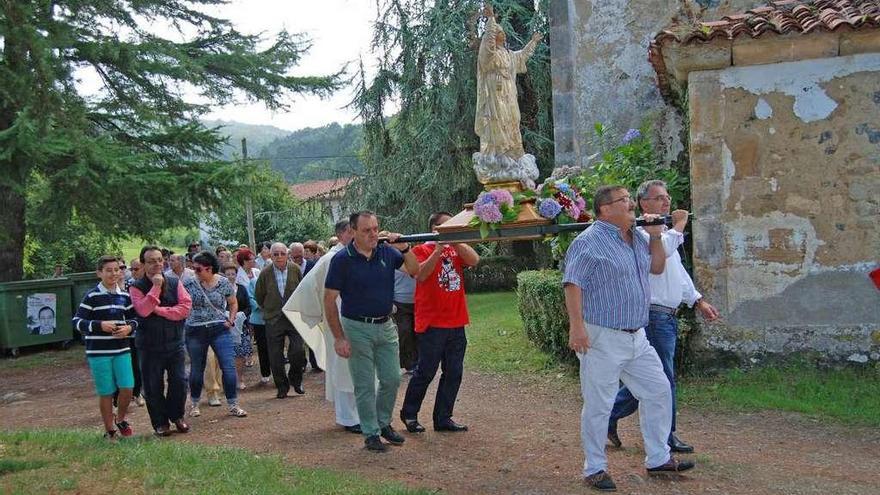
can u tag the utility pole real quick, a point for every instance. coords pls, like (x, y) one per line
(248, 207)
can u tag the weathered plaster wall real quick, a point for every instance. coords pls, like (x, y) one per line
(601, 72)
(785, 169)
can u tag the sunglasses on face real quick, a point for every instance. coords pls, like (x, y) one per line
(200, 269)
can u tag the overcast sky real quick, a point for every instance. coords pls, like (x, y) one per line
(340, 31)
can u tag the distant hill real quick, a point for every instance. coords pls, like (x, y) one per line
(258, 136)
(314, 153)
(317, 153)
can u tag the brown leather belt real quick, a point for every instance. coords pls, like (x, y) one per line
(664, 309)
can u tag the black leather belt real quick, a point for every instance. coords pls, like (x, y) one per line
(628, 330)
(369, 319)
(664, 309)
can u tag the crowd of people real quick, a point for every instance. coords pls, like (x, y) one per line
(372, 309)
(210, 309)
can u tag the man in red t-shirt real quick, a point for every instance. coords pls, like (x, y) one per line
(441, 314)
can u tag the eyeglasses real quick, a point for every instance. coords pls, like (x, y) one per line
(662, 197)
(278, 255)
(622, 198)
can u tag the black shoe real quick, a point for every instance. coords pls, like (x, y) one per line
(678, 446)
(354, 429)
(612, 434)
(449, 425)
(298, 388)
(601, 481)
(412, 425)
(281, 395)
(672, 466)
(374, 444)
(392, 436)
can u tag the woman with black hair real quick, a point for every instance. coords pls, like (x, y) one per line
(210, 323)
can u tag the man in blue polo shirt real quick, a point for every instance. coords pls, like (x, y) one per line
(607, 295)
(362, 275)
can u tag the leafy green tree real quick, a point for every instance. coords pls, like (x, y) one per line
(132, 159)
(278, 216)
(419, 160)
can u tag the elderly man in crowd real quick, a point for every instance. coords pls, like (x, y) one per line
(177, 263)
(362, 274)
(607, 297)
(274, 286)
(668, 290)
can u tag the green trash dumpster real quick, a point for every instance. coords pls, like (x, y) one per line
(35, 312)
(82, 283)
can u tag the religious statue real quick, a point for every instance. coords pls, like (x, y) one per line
(501, 157)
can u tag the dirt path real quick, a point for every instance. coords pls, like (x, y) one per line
(523, 439)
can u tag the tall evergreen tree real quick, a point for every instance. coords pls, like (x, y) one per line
(133, 158)
(419, 160)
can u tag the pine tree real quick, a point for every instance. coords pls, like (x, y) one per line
(133, 159)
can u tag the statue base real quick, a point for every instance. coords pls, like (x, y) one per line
(526, 227)
(493, 169)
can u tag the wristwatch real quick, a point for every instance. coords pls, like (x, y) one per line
(404, 251)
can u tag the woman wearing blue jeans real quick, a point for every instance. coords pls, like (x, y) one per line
(209, 324)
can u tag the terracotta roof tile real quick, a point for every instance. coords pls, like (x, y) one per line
(779, 17)
(319, 188)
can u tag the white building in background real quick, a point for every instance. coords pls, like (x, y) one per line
(326, 194)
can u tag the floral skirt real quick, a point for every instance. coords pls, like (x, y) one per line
(246, 347)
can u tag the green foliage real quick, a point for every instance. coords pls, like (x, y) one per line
(278, 216)
(629, 161)
(849, 395)
(541, 304)
(51, 461)
(419, 161)
(496, 341)
(132, 159)
(317, 153)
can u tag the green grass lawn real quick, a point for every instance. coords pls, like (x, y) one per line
(37, 358)
(131, 248)
(82, 462)
(497, 343)
(496, 339)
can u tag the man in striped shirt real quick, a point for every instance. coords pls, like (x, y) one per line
(106, 318)
(607, 296)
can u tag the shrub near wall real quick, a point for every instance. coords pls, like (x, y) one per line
(542, 307)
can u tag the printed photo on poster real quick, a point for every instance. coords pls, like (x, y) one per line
(41, 314)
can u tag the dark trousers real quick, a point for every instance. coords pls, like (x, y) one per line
(164, 407)
(313, 360)
(437, 347)
(276, 331)
(404, 318)
(262, 350)
(662, 332)
(136, 371)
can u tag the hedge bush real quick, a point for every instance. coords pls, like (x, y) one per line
(542, 307)
(496, 273)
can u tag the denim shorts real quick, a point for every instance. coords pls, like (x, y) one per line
(111, 373)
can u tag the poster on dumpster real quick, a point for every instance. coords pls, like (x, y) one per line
(41, 314)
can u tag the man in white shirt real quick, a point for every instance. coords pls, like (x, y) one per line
(178, 267)
(668, 291)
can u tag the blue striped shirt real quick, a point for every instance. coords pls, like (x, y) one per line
(99, 304)
(612, 276)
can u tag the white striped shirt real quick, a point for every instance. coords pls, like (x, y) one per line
(612, 276)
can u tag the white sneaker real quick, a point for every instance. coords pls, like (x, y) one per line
(140, 401)
(214, 402)
(237, 411)
(194, 411)
(264, 380)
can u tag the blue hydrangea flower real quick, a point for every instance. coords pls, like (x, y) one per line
(549, 208)
(630, 135)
